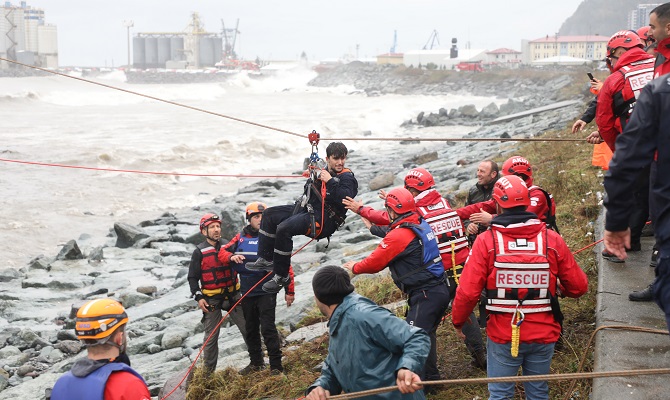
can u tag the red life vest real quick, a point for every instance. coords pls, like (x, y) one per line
(448, 230)
(213, 274)
(521, 274)
(635, 77)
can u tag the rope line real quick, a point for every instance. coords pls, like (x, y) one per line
(419, 139)
(133, 171)
(174, 103)
(507, 379)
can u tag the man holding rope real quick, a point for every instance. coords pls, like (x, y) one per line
(524, 267)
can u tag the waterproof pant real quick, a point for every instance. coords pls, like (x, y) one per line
(278, 227)
(211, 320)
(534, 359)
(259, 314)
(640, 214)
(473, 336)
(661, 285)
(426, 308)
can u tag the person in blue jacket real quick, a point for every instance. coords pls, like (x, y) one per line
(258, 306)
(369, 347)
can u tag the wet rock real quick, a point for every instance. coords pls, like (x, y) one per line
(94, 293)
(148, 290)
(69, 346)
(9, 274)
(39, 262)
(96, 254)
(131, 299)
(66, 334)
(424, 158)
(490, 111)
(308, 333)
(70, 251)
(468, 111)
(9, 351)
(174, 249)
(141, 344)
(127, 235)
(25, 369)
(173, 337)
(381, 181)
(154, 348)
(4, 381)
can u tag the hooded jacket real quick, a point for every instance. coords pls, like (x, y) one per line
(368, 345)
(662, 64)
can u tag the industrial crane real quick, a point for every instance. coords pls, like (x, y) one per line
(431, 40)
(395, 42)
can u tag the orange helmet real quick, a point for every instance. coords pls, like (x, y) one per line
(625, 39)
(419, 179)
(400, 200)
(517, 165)
(209, 219)
(99, 319)
(254, 208)
(511, 191)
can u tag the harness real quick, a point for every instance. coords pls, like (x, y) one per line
(635, 76)
(550, 215)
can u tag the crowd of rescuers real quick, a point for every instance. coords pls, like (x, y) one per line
(634, 58)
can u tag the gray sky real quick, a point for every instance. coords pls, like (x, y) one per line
(92, 32)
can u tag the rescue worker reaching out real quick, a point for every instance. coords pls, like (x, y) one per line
(214, 285)
(411, 252)
(522, 265)
(452, 242)
(101, 325)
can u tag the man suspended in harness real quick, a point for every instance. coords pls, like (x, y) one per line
(410, 251)
(318, 214)
(522, 265)
(450, 233)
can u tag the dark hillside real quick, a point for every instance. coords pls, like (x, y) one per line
(601, 17)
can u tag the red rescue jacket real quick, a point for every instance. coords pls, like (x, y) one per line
(537, 327)
(662, 65)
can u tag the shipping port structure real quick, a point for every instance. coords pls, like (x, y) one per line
(25, 36)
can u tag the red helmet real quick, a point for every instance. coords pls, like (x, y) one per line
(400, 200)
(511, 191)
(254, 208)
(625, 39)
(517, 165)
(419, 179)
(209, 219)
(643, 33)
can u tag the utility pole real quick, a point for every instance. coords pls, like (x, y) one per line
(128, 24)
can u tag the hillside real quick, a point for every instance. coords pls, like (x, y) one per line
(601, 17)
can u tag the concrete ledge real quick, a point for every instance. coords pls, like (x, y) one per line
(623, 350)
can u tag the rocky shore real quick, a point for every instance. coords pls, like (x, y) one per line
(145, 264)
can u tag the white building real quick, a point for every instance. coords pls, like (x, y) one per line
(504, 57)
(442, 58)
(25, 37)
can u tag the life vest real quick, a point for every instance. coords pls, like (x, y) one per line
(213, 274)
(635, 77)
(248, 247)
(90, 387)
(405, 276)
(451, 239)
(521, 275)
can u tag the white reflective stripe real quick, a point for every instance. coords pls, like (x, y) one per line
(447, 249)
(246, 253)
(499, 264)
(423, 211)
(501, 292)
(457, 242)
(450, 214)
(283, 253)
(262, 232)
(543, 292)
(512, 310)
(511, 302)
(539, 244)
(501, 243)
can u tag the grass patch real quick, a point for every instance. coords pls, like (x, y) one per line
(563, 169)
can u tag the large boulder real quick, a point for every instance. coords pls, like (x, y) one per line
(381, 181)
(70, 251)
(127, 235)
(9, 274)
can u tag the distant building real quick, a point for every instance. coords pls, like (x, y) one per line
(504, 57)
(441, 59)
(390, 58)
(592, 47)
(639, 17)
(26, 37)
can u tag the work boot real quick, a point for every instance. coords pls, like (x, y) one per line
(609, 257)
(275, 284)
(260, 265)
(251, 368)
(634, 247)
(277, 372)
(479, 359)
(654, 257)
(648, 230)
(642, 295)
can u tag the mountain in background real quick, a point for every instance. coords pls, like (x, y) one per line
(602, 17)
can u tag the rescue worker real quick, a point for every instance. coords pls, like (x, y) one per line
(487, 174)
(369, 347)
(319, 217)
(659, 24)
(542, 203)
(645, 35)
(520, 263)
(411, 252)
(214, 285)
(451, 241)
(257, 305)
(101, 326)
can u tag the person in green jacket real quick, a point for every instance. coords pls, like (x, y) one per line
(369, 347)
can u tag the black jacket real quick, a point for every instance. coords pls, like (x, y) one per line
(647, 133)
(479, 193)
(590, 113)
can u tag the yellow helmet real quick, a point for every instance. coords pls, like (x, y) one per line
(98, 319)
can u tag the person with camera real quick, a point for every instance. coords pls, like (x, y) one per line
(214, 286)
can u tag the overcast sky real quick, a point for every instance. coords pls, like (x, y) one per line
(92, 32)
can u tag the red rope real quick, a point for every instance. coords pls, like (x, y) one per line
(586, 247)
(134, 171)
